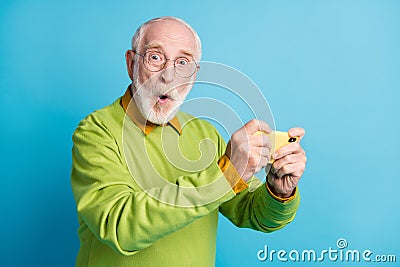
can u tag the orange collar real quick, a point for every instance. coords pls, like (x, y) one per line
(132, 111)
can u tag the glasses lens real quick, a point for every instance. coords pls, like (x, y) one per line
(185, 67)
(154, 61)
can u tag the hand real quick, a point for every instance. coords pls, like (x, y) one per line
(248, 152)
(288, 167)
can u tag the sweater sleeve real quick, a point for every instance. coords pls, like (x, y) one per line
(259, 210)
(112, 206)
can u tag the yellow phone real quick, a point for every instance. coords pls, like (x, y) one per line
(278, 140)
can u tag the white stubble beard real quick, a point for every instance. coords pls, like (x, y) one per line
(146, 98)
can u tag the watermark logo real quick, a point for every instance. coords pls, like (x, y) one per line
(341, 254)
(341, 243)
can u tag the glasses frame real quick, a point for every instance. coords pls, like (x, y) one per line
(165, 63)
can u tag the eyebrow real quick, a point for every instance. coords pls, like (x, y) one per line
(185, 51)
(153, 45)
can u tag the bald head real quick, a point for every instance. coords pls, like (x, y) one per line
(171, 27)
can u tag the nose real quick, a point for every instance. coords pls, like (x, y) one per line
(168, 73)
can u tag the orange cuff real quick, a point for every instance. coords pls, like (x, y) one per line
(281, 199)
(232, 175)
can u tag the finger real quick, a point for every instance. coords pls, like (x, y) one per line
(294, 169)
(288, 159)
(264, 152)
(261, 140)
(263, 162)
(257, 125)
(291, 148)
(263, 156)
(297, 132)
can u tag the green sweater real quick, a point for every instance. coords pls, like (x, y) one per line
(143, 202)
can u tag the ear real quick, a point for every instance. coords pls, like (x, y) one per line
(130, 62)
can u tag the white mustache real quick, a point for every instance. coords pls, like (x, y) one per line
(158, 90)
(172, 93)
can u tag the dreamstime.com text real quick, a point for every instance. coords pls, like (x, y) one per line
(341, 254)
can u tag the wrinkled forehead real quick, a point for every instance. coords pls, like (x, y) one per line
(169, 35)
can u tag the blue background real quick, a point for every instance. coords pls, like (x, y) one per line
(331, 67)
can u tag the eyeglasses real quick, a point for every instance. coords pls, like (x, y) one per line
(155, 61)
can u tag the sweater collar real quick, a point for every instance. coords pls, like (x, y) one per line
(132, 111)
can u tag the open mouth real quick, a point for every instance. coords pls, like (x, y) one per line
(163, 99)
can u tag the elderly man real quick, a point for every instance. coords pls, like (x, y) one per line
(128, 216)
